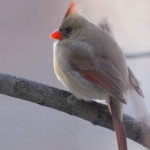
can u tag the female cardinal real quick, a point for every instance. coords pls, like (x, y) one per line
(89, 62)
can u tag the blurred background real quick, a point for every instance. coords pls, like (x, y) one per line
(26, 51)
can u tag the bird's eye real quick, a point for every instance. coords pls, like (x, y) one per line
(67, 30)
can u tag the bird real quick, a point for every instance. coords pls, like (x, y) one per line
(91, 65)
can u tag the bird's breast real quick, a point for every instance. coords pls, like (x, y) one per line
(73, 81)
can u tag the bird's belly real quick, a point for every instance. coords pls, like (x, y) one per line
(77, 85)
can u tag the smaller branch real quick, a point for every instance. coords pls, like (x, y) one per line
(64, 101)
(138, 55)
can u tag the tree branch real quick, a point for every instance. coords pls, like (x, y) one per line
(93, 112)
(138, 55)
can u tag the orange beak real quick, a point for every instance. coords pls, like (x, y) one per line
(56, 35)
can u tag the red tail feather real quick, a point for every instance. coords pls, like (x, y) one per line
(119, 128)
(120, 133)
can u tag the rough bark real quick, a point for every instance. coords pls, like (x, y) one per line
(64, 101)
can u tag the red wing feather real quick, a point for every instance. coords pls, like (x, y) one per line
(72, 8)
(102, 73)
(111, 86)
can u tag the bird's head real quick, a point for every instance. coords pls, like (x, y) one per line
(71, 25)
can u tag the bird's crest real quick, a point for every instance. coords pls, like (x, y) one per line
(72, 8)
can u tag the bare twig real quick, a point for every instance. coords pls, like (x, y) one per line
(93, 112)
(138, 55)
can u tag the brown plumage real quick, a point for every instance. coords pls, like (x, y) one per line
(89, 62)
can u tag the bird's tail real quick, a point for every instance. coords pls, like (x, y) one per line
(120, 133)
(118, 126)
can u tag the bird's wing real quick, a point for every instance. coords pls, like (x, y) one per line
(135, 83)
(100, 71)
